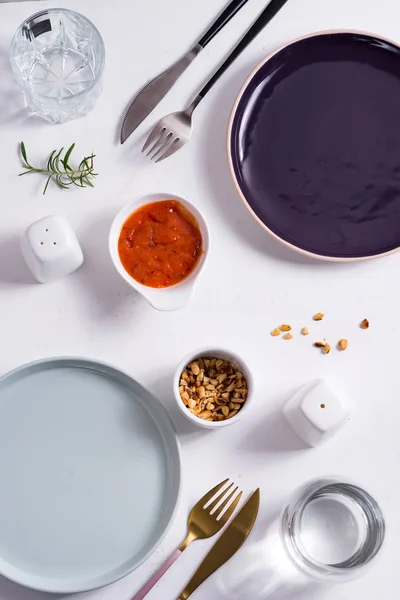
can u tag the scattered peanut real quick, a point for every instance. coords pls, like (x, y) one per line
(342, 344)
(213, 389)
(325, 347)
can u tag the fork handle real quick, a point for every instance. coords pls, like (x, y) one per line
(224, 18)
(264, 18)
(157, 576)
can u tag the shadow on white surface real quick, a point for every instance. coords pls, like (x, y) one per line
(290, 592)
(273, 434)
(106, 293)
(163, 389)
(13, 268)
(131, 155)
(262, 569)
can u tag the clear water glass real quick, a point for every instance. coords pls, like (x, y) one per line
(329, 532)
(332, 530)
(57, 57)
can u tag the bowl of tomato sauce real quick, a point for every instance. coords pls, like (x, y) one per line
(159, 244)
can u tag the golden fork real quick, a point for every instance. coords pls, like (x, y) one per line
(205, 520)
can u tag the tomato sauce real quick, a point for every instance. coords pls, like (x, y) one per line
(160, 244)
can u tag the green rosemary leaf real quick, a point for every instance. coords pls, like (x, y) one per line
(49, 162)
(30, 170)
(56, 161)
(60, 183)
(23, 152)
(59, 169)
(67, 155)
(82, 165)
(65, 178)
(47, 183)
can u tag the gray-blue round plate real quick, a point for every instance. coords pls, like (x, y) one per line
(89, 474)
(314, 145)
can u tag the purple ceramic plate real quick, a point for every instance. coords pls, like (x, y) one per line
(314, 145)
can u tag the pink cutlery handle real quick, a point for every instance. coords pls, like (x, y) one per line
(157, 576)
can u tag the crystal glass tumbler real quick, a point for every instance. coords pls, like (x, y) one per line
(57, 56)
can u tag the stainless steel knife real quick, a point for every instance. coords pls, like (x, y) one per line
(148, 98)
(227, 544)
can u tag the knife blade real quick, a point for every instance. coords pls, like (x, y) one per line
(156, 89)
(227, 544)
(148, 98)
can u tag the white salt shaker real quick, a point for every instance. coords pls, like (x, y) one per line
(51, 248)
(315, 413)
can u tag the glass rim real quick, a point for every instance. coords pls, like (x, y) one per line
(16, 70)
(291, 519)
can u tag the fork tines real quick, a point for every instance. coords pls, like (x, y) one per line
(160, 144)
(222, 504)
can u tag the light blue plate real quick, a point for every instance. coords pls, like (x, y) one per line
(89, 474)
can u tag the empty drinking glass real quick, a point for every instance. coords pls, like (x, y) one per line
(332, 530)
(57, 57)
(329, 532)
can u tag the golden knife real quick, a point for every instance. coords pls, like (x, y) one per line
(227, 544)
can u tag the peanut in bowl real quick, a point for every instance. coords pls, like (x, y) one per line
(213, 387)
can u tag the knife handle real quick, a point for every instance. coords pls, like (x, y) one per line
(230, 11)
(265, 17)
(229, 542)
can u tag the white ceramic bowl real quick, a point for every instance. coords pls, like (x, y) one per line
(217, 353)
(178, 295)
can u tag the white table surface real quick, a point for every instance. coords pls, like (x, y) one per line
(250, 283)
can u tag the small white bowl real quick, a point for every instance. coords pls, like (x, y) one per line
(217, 353)
(178, 295)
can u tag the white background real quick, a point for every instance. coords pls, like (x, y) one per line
(250, 283)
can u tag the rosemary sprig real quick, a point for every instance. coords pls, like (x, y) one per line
(60, 170)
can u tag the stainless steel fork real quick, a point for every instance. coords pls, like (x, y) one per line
(173, 131)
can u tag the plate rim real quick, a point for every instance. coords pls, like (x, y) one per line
(102, 581)
(276, 237)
